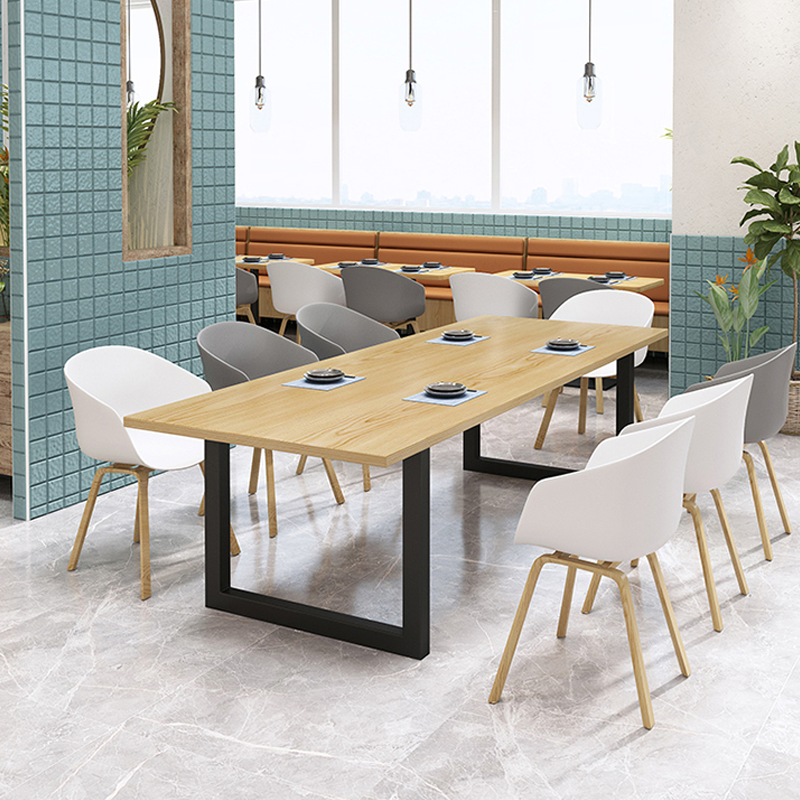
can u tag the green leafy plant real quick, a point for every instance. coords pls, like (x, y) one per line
(735, 305)
(140, 123)
(774, 195)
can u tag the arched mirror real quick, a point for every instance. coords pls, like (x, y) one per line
(156, 113)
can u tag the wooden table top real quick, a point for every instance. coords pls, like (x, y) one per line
(368, 421)
(634, 284)
(261, 266)
(443, 274)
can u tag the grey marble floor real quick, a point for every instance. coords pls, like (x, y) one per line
(105, 696)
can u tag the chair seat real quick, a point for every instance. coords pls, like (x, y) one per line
(164, 451)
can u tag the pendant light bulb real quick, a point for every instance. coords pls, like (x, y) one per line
(589, 83)
(410, 95)
(260, 92)
(131, 92)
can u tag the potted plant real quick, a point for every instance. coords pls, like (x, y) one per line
(774, 195)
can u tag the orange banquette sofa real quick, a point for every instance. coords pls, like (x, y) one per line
(484, 253)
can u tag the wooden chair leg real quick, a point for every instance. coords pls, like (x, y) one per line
(246, 311)
(282, 330)
(669, 615)
(136, 524)
(365, 476)
(756, 492)
(301, 465)
(734, 553)
(634, 563)
(594, 585)
(333, 480)
(690, 504)
(202, 510)
(545, 424)
(516, 629)
(86, 518)
(566, 602)
(584, 401)
(642, 688)
(414, 326)
(254, 469)
(637, 405)
(598, 393)
(142, 476)
(235, 549)
(272, 511)
(776, 490)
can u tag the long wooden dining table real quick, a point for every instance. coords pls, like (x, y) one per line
(370, 422)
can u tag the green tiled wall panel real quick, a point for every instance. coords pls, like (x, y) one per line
(634, 230)
(80, 293)
(694, 346)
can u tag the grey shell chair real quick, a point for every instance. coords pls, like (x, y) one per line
(383, 295)
(332, 330)
(235, 352)
(766, 415)
(554, 291)
(476, 293)
(246, 293)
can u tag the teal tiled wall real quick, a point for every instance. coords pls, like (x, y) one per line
(79, 291)
(634, 230)
(694, 347)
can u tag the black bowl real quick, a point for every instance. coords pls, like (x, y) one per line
(563, 344)
(410, 268)
(542, 270)
(616, 275)
(328, 375)
(458, 335)
(343, 264)
(524, 275)
(252, 259)
(276, 256)
(445, 389)
(599, 278)
(432, 264)
(370, 261)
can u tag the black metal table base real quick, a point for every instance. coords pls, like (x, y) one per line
(412, 638)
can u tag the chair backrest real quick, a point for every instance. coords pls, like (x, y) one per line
(612, 307)
(330, 330)
(246, 287)
(476, 293)
(235, 352)
(293, 285)
(625, 504)
(557, 290)
(719, 412)
(769, 398)
(107, 383)
(382, 294)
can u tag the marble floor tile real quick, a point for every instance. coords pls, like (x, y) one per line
(104, 695)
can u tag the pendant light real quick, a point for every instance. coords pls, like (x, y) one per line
(410, 99)
(590, 99)
(129, 88)
(260, 96)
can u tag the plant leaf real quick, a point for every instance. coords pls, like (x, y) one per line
(748, 161)
(781, 161)
(765, 180)
(786, 196)
(777, 227)
(757, 334)
(721, 306)
(753, 212)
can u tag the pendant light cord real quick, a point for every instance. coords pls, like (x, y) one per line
(130, 70)
(590, 30)
(410, 29)
(259, 37)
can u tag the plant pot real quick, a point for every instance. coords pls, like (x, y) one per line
(792, 426)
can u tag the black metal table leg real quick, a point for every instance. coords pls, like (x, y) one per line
(412, 638)
(625, 390)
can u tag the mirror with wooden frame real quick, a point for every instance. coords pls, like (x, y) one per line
(156, 128)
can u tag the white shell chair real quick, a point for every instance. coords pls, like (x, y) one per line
(107, 383)
(246, 293)
(626, 503)
(294, 285)
(331, 330)
(611, 307)
(476, 293)
(714, 456)
(766, 415)
(235, 352)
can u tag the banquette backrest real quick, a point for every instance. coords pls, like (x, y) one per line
(323, 245)
(484, 253)
(644, 259)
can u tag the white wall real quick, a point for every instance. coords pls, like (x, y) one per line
(735, 94)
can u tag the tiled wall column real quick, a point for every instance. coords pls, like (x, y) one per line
(694, 346)
(71, 290)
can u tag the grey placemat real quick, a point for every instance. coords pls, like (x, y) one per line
(576, 352)
(421, 397)
(323, 387)
(473, 340)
